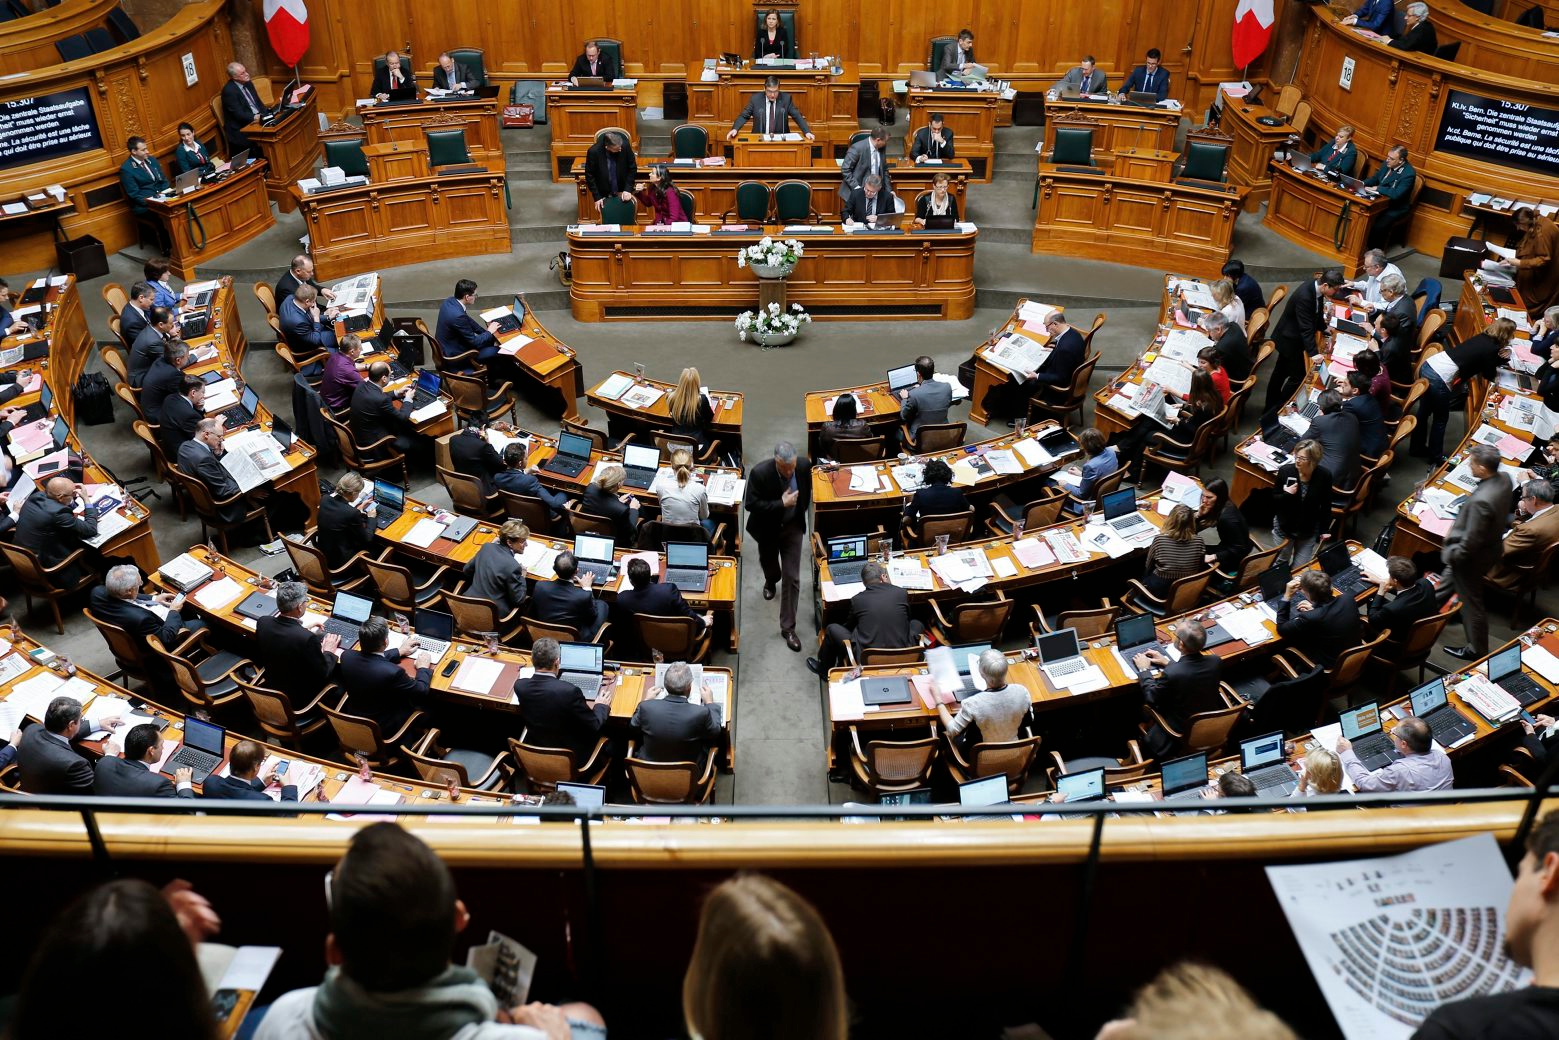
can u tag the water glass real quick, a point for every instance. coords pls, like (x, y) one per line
(941, 544)
(887, 550)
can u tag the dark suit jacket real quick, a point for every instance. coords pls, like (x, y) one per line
(1404, 610)
(381, 83)
(462, 75)
(785, 112)
(1372, 431)
(145, 351)
(780, 48)
(765, 486)
(1338, 434)
(1323, 632)
(51, 530)
(597, 159)
(1420, 37)
(459, 333)
(1475, 539)
(178, 421)
(660, 598)
(927, 403)
(303, 332)
(141, 182)
(378, 689)
(49, 767)
(232, 788)
(293, 660)
(288, 284)
(473, 455)
(1395, 185)
(557, 715)
(1234, 348)
(606, 68)
(236, 113)
(1185, 688)
(494, 574)
(118, 777)
(879, 616)
(934, 500)
(1234, 542)
(1295, 331)
(1329, 158)
(1140, 79)
(161, 382)
(375, 414)
(1067, 352)
(1249, 292)
(606, 503)
(672, 729)
(855, 208)
(858, 166)
(519, 482)
(131, 323)
(344, 531)
(187, 159)
(923, 207)
(563, 603)
(139, 623)
(198, 461)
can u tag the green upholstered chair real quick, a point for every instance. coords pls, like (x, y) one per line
(473, 59)
(752, 203)
(1205, 162)
(793, 203)
(689, 142)
(348, 155)
(858, 135)
(447, 148)
(616, 211)
(379, 63)
(615, 49)
(787, 22)
(1074, 146)
(687, 204)
(939, 46)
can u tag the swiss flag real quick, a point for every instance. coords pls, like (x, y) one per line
(287, 24)
(1252, 29)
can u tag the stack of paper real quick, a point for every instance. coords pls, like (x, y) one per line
(1016, 353)
(1184, 344)
(1103, 538)
(641, 396)
(1169, 374)
(108, 525)
(910, 477)
(726, 489)
(909, 573)
(845, 703)
(477, 675)
(218, 594)
(537, 559)
(1246, 625)
(1003, 461)
(614, 386)
(1066, 547)
(866, 479)
(1033, 553)
(1182, 490)
(423, 533)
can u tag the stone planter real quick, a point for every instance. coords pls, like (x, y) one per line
(765, 271)
(772, 339)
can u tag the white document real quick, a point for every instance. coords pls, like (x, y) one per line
(220, 401)
(248, 969)
(108, 525)
(423, 533)
(1371, 564)
(1016, 354)
(222, 386)
(1034, 311)
(845, 702)
(1103, 538)
(1182, 490)
(865, 478)
(1536, 658)
(909, 573)
(477, 675)
(1004, 567)
(1003, 461)
(1086, 681)
(1169, 374)
(218, 594)
(833, 592)
(1029, 450)
(1033, 553)
(1066, 547)
(726, 489)
(12, 665)
(241, 466)
(537, 559)
(515, 344)
(428, 411)
(910, 477)
(642, 396)
(1184, 344)
(1246, 625)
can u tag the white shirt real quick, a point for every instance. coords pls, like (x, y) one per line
(1370, 290)
(1234, 310)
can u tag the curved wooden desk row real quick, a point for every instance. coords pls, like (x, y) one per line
(1109, 414)
(1496, 44)
(1401, 98)
(870, 276)
(624, 412)
(215, 218)
(1181, 224)
(1321, 216)
(714, 187)
(28, 44)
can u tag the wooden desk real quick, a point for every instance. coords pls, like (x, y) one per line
(1320, 216)
(29, 43)
(291, 147)
(876, 406)
(544, 360)
(621, 418)
(1108, 415)
(714, 187)
(753, 150)
(1151, 224)
(411, 123)
(576, 116)
(988, 375)
(215, 218)
(1146, 164)
(827, 102)
(1117, 127)
(630, 275)
(1250, 157)
(969, 114)
(364, 228)
(396, 161)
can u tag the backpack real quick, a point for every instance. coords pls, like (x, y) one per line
(563, 264)
(94, 399)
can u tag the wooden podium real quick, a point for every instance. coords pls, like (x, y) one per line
(396, 161)
(215, 218)
(1254, 143)
(578, 115)
(757, 150)
(969, 114)
(291, 146)
(1321, 216)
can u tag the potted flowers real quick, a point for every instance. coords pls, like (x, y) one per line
(771, 257)
(772, 326)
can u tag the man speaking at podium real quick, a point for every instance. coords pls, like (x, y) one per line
(241, 105)
(770, 112)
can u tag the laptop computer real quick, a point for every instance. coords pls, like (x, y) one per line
(1059, 443)
(511, 322)
(1431, 704)
(347, 616)
(846, 558)
(594, 554)
(919, 796)
(572, 456)
(1346, 576)
(1301, 162)
(425, 390)
(885, 689)
(404, 93)
(580, 665)
(201, 752)
(435, 629)
(389, 503)
(586, 796)
(1261, 760)
(641, 464)
(902, 378)
(1060, 655)
(1136, 634)
(457, 528)
(988, 790)
(188, 179)
(282, 432)
(242, 413)
(257, 605)
(591, 83)
(1120, 512)
(1085, 786)
(1505, 672)
(687, 565)
(1362, 727)
(40, 408)
(952, 667)
(1273, 582)
(1146, 98)
(922, 78)
(61, 432)
(939, 222)
(239, 161)
(1183, 778)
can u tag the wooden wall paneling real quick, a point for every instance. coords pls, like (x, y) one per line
(28, 43)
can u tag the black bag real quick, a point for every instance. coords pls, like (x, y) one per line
(1382, 543)
(94, 399)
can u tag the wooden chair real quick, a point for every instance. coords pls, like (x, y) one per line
(148, 435)
(1433, 322)
(532, 511)
(972, 622)
(1344, 673)
(465, 493)
(1177, 456)
(883, 655)
(50, 584)
(117, 299)
(668, 443)
(131, 654)
(1278, 296)
(1282, 698)
(1093, 330)
(359, 738)
(456, 364)
(1090, 622)
(564, 633)
(282, 722)
(1258, 360)
(581, 522)
(370, 460)
(599, 441)
(206, 678)
(404, 588)
(1041, 512)
(1401, 430)
(1117, 771)
(267, 297)
(1256, 324)
(471, 397)
(114, 358)
(1013, 757)
(669, 783)
(1076, 396)
(132, 397)
(957, 526)
(892, 766)
(1183, 595)
(676, 638)
(1414, 390)
(1207, 731)
(1411, 651)
(1077, 505)
(1288, 98)
(1301, 117)
(1347, 514)
(851, 450)
(1529, 578)
(934, 437)
(208, 510)
(545, 767)
(323, 580)
(655, 533)
(1227, 420)
(457, 766)
(295, 359)
(1247, 573)
(476, 616)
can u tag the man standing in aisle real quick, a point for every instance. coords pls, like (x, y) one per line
(779, 493)
(1474, 544)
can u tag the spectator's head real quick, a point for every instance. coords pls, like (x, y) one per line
(1343, 136)
(1213, 323)
(785, 459)
(1209, 360)
(194, 388)
(873, 573)
(302, 267)
(845, 409)
(771, 21)
(1235, 785)
(1055, 324)
(771, 88)
(393, 911)
(305, 295)
(161, 317)
(592, 50)
(936, 121)
(763, 965)
(993, 669)
(514, 534)
(872, 184)
(1323, 771)
(1154, 57)
(965, 38)
(1190, 637)
(1397, 155)
(1215, 495)
(209, 432)
(373, 635)
(236, 70)
(141, 740)
(141, 294)
(937, 472)
(1195, 1000)
(292, 598)
(1087, 65)
(1091, 441)
(62, 716)
(544, 654)
(392, 59)
(465, 290)
(1484, 459)
(1316, 586)
(638, 573)
(1414, 735)
(123, 582)
(682, 466)
(678, 679)
(113, 931)
(925, 366)
(1329, 401)
(1415, 13)
(610, 476)
(1222, 292)
(615, 142)
(1368, 361)
(244, 762)
(1180, 524)
(514, 455)
(1531, 915)
(565, 566)
(1358, 384)
(137, 148)
(350, 486)
(1401, 571)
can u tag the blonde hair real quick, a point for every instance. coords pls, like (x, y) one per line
(1180, 524)
(1501, 330)
(350, 486)
(514, 531)
(610, 476)
(683, 404)
(763, 965)
(1323, 771)
(682, 462)
(1311, 450)
(1199, 1002)
(1223, 292)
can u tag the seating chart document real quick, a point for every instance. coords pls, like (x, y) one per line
(1391, 939)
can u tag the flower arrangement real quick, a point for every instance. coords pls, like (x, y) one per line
(772, 322)
(771, 252)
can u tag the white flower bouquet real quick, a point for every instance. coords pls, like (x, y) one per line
(771, 252)
(772, 322)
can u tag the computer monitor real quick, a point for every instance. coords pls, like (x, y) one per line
(594, 547)
(581, 657)
(282, 432)
(352, 608)
(919, 796)
(1119, 503)
(429, 380)
(1136, 629)
(1057, 646)
(694, 555)
(1428, 697)
(848, 547)
(573, 444)
(988, 790)
(1183, 774)
(434, 624)
(586, 796)
(1265, 750)
(1360, 721)
(388, 493)
(902, 378)
(239, 161)
(1505, 662)
(1086, 786)
(203, 736)
(250, 400)
(636, 456)
(61, 431)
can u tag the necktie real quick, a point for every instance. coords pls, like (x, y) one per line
(592, 68)
(253, 99)
(871, 206)
(769, 126)
(611, 173)
(874, 159)
(395, 80)
(1149, 84)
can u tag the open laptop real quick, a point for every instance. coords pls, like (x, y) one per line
(282, 432)
(201, 752)
(919, 796)
(902, 378)
(435, 630)
(1120, 512)
(988, 790)
(594, 553)
(1145, 98)
(1300, 161)
(242, 413)
(1431, 704)
(40, 408)
(511, 322)
(425, 391)
(687, 565)
(590, 83)
(389, 503)
(572, 456)
(1086, 786)
(954, 670)
(1136, 634)
(1059, 443)
(922, 78)
(1183, 778)
(1362, 727)
(846, 558)
(1273, 582)
(641, 463)
(1505, 672)
(347, 615)
(187, 179)
(580, 664)
(407, 92)
(1261, 760)
(1346, 576)
(238, 161)
(885, 689)
(586, 796)
(1060, 655)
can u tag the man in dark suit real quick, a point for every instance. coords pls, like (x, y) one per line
(958, 57)
(119, 602)
(592, 63)
(1473, 546)
(164, 379)
(933, 141)
(563, 602)
(392, 75)
(645, 595)
(377, 687)
(451, 75)
(1393, 180)
(556, 713)
(779, 494)
(1179, 689)
(865, 157)
(242, 781)
(201, 457)
(47, 755)
(377, 414)
(141, 175)
(241, 105)
(298, 661)
(610, 169)
(517, 480)
(148, 345)
(1150, 77)
(301, 272)
(879, 616)
(1337, 432)
(1401, 600)
(1295, 334)
(181, 413)
(495, 572)
(471, 453)
(1230, 342)
(771, 113)
(928, 401)
(1245, 287)
(135, 775)
(1053, 378)
(1315, 620)
(307, 329)
(458, 333)
(345, 527)
(1418, 31)
(49, 526)
(137, 310)
(868, 202)
(674, 726)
